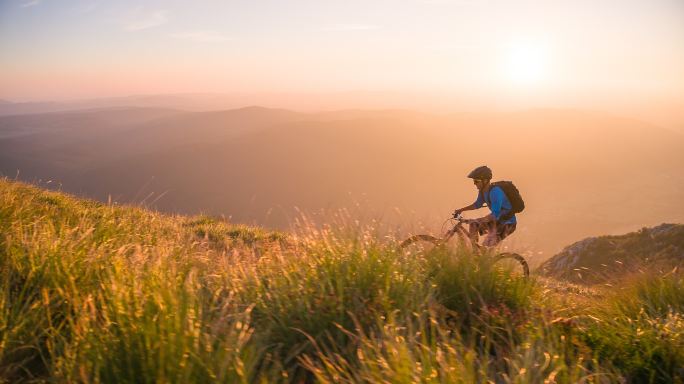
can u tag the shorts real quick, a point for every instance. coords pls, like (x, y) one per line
(502, 230)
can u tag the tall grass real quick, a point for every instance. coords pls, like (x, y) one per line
(641, 330)
(423, 349)
(105, 293)
(102, 293)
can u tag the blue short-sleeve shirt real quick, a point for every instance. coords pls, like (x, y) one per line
(498, 204)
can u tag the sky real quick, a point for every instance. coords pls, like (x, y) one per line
(534, 51)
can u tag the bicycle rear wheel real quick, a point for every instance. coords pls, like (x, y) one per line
(419, 244)
(517, 262)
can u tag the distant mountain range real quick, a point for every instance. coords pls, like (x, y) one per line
(203, 102)
(609, 258)
(580, 172)
(182, 101)
(669, 115)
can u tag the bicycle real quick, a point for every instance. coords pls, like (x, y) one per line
(429, 241)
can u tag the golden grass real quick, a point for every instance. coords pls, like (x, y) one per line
(100, 293)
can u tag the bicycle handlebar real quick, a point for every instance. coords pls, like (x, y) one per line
(461, 219)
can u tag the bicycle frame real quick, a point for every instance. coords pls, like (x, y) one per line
(462, 233)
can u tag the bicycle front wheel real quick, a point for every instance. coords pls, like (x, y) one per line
(517, 262)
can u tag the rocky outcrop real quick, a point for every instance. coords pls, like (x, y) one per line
(608, 258)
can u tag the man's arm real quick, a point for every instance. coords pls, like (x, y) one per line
(487, 219)
(468, 208)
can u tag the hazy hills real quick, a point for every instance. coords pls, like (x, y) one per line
(181, 101)
(669, 115)
(202, 102)
(581, 173)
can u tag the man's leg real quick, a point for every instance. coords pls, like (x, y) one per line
(474, 232)
(505, 230)
(492, 238)
(496, 236)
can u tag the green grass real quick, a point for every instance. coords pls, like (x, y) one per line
(92, 292)
(641, 330)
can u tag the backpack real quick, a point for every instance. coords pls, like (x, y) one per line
(513, 196)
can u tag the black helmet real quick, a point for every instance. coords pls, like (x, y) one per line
(481, 173)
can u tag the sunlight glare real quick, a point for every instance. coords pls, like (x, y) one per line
(525, 63)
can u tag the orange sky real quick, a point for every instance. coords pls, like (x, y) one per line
(624, 53)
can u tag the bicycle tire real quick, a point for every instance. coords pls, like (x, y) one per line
(419, 244)
(519, 259)
(435, 241)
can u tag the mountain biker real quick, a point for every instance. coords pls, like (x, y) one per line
(499, 224)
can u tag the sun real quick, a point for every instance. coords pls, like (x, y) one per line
(525, 63)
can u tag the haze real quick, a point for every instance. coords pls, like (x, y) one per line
(581, 173)
(581, 102)
(459, 53)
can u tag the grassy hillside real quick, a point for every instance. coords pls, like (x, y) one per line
(92, 292)
(607, 259)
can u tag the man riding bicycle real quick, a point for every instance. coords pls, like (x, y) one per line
(501, 222)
